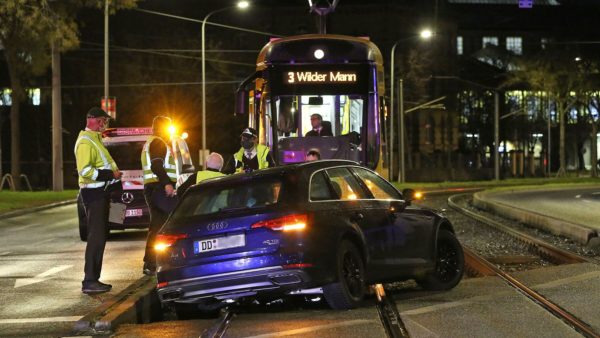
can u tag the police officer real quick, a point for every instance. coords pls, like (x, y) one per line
(214, 164)
(252, 156)
(96, 170)
(160, 175)
(313, 155)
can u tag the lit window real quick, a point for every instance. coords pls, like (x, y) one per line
(35, 96)
(459, 45)
(5, 97)
(514, 44)
(544, 42)
(490, 40)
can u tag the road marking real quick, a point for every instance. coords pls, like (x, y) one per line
(41, 277)
(42, 242)
(569, 280)
(25, 227)
(577, 196)
(40, 320)
(420, 327)
(316, 328)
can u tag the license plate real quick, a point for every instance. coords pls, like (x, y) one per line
(219, 243)
(133, 212)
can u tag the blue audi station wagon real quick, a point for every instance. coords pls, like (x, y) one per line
(330, 227)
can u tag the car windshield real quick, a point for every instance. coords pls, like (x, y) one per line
(246, 195)
(126, 154)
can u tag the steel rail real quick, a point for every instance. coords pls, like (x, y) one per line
(475, 262)
(389, 315)
(545, 250)
(219, 328)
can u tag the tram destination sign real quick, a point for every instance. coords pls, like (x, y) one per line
(316, 79)
(331, 76)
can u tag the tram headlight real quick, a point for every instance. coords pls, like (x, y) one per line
(319, 54)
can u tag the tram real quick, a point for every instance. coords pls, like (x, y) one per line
(338, 77)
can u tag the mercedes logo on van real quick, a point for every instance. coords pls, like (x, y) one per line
(217, 226)
(127, 197)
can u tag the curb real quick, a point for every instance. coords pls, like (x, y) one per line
(574, 231)
(450, 191)
(21, 212)
(138, 303)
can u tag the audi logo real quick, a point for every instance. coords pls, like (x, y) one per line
(217, 226)
(127, 197)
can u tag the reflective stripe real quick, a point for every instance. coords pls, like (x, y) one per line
(86, 170)
(91, 185)
(104, 160)
(168, 162)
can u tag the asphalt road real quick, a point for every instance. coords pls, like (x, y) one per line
(41, 268)
(578, 204)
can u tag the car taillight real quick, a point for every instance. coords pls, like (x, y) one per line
(162, 285)
(163, 241)
(294, 222)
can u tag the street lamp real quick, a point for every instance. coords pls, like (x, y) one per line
(425, 34)
(240, 5)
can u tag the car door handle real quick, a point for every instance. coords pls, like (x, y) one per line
(357, 216)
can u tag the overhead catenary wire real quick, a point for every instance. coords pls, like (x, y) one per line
(208, 22)
(147, 84)
(176, 55)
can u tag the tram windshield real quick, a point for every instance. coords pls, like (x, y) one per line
(339, 120)
(340, 114)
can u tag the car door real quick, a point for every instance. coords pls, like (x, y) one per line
(357, 209)
(407, 233)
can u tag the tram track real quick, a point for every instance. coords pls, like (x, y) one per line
(482, 266)
(536, 246)
(386, 309)
(479, 266)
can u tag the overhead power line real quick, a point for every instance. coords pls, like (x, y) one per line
(147, 84)
(208, 22)
(175, 55)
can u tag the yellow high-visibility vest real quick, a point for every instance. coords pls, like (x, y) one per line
(206, 174)
(168, 162)
(261, 154)
(91, 155)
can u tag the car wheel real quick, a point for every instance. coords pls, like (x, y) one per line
(449, 264)
(82, 220)
(193, 311)
(349, 290)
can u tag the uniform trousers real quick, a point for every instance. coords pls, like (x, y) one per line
(96, 202)
(160, 205)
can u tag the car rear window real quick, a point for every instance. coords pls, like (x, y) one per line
(247, 195)
(126, 154)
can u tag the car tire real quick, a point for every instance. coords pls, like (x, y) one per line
(449, 264)
(82, 220)
(349, 290)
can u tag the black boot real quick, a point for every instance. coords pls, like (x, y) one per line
(94, 287)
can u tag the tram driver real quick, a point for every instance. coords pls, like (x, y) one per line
(320, 127)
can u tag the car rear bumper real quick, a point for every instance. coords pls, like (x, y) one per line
(236, 284)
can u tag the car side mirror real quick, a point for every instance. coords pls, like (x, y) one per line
(408, 195)
(188, 169)
(398, 206)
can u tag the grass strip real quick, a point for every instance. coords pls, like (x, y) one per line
(14, 200)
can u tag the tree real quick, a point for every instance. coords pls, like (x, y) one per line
(28, 28)
(557, 74)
